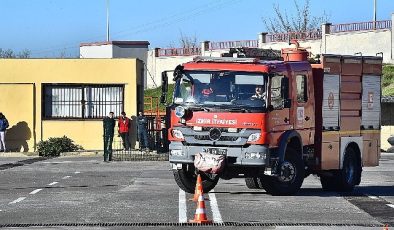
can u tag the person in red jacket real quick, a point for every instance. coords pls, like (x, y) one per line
(124, 124)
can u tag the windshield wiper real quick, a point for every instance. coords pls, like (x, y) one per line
(238, 110)
(198, 108)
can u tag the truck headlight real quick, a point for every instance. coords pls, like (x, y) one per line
(197, 128)
(177, 152)
(177, 134)
(254, 137)
(180, 111)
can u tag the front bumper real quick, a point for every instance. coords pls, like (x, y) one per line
(238, 155)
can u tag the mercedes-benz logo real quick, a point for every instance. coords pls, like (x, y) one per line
(215, 134)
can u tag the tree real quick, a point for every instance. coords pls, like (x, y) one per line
(9, 53)
(302, 21)
(185, 41)
(188, 41)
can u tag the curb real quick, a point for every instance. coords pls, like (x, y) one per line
(82, 154)
(18, 154)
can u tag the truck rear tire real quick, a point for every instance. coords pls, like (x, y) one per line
(391, 140)
(186, 179)
(347, 178)
(290, 178)
(253, 182)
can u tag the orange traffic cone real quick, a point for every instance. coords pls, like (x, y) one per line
(198, 190)
(200, 217)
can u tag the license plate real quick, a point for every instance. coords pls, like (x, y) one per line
(215, 151)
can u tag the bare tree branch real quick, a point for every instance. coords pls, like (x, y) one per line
(302, 20)
(188, 41)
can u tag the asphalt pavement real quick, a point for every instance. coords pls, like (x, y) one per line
(86, 193)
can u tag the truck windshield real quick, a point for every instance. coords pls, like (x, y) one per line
(221, 88)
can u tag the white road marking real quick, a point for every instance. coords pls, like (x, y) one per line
(35, 191)
(66, 177)
(53, 183)
(390, 205)
(217, 218)
(182, 207)
(77, 172)
(17, 200)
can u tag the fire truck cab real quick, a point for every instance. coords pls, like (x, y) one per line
(274, 122)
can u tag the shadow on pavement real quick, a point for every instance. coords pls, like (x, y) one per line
(358, 191)
(22, 163)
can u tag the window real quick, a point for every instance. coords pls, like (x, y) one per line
(276, 94)
(302, 93)
(82, 101)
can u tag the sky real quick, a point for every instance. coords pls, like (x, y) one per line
(50, 28)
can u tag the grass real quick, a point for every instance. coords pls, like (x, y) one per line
(388, 80)
(156, 92)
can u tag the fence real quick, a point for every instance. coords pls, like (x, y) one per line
(359, 26)
(285, 37)
(120, 154)
(233, 44)
(178, 52)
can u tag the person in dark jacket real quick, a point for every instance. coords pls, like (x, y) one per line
(108, 126)
(124, 124)
(142, 123)
(3, 127)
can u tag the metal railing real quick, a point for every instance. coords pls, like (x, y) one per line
(120, 154)
(179, 52)
(285, 37)
(360, 26)
(233, 44)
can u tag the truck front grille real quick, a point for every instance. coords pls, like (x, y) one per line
(222, 138)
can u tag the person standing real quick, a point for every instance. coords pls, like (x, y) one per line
(3, 127)
(124, 124)
(108, 126)
(142, 122)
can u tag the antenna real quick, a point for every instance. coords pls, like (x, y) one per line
(107, 20)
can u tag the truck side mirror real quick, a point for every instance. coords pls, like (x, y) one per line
(164, 87)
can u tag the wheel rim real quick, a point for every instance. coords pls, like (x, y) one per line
(287, 172)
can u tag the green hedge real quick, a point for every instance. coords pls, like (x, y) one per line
(56, 145)
(388, 80)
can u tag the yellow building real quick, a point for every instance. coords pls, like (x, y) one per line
(44, 98)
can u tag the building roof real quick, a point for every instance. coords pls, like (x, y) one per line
(388, 99)
(129, 43)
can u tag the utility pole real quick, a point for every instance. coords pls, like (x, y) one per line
(374, 14)
(108, 21)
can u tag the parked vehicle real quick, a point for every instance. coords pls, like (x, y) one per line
(321, 119)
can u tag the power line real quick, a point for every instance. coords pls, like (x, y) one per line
(160, 23)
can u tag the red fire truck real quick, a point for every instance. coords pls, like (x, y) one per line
(274, 122)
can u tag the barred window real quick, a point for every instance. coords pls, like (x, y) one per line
(82, 101)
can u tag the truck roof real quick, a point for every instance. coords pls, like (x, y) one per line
(243, 65)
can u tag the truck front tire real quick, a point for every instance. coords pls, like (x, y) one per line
(290, 177)
(186, 179)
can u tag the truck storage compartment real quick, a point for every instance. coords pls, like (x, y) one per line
(330, 150)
